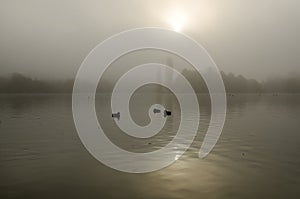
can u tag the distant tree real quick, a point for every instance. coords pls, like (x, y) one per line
(18, 83)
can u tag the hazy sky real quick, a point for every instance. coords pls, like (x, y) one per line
(50, 38)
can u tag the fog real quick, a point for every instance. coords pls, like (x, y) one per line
(49, 39)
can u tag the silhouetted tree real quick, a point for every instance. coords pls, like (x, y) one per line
(18, 83)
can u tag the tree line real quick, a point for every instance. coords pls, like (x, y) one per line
(18, 83)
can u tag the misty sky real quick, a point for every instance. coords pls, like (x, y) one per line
(50, 38)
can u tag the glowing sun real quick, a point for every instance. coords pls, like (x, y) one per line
(177, 19)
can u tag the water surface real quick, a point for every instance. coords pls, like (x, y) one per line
(257, 156)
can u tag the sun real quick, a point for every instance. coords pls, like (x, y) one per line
(187, 17)
(177, 19)
(177, 23)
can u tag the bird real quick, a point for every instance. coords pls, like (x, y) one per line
(116, 115)
(156, 110)
(167, 113)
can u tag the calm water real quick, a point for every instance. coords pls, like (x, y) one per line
(257, 156)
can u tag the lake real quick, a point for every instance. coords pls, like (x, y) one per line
(257, 155)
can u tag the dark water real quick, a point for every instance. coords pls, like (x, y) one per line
(257, 156)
